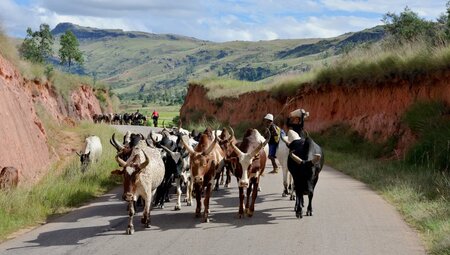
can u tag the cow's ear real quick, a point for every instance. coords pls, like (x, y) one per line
(117, 172)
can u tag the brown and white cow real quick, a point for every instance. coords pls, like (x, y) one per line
(224, 139)
(9, 178)
(248, 163)
(204, 160)
(142, 173)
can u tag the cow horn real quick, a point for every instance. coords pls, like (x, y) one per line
(151, 137)
(283, 138)
(144, 165)
(237, 150)
(212, 145)
(117, 144)
(187, 146)
(296, 158)
(166, 149)
(231, 132)
(174, 155)
(254, 152)
(121, 162)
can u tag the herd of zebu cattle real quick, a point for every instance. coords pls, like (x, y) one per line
(150, 164)
(120, 119)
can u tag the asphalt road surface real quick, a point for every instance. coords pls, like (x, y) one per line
(349, 218)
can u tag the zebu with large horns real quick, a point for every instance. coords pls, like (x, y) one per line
(204, 160)
(304, 163)
(248, 164)
(142, 173)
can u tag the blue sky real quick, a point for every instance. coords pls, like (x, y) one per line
(214, 20)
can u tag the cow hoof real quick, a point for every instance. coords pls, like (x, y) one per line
(216, 188)
(147, 225)
(284, 195)
(167, 200)
(177, 208)
(240, 215)
(189, 204)
(259, 188)
(299, 215)
(161, 206)
(130, 231)
(221, 182)
(143, 221)
(197, 215)
(309, 213)
(226, 185)
(249, 213)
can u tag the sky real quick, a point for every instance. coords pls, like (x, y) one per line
(213, 20)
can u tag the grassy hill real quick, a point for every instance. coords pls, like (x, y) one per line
(160, 65)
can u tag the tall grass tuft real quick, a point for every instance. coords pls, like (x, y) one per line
(60, 189)
(431, 122)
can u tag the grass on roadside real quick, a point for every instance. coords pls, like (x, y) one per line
(60, 189)
(420, 193)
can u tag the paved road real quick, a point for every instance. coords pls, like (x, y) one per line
(349, 219)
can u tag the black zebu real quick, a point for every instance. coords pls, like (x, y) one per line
(305, 162)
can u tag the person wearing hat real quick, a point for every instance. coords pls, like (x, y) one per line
(274, 140)
(296, 121)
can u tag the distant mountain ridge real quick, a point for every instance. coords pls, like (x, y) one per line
(98, 33)
(139, 64)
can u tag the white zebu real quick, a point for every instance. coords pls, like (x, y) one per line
(91, 153)
(282, 156)
(142, 174)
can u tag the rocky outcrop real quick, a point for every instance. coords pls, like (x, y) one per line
(373, 110)
(24, 140)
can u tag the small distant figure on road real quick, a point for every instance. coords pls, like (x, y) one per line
(155, 116)
(275, 133)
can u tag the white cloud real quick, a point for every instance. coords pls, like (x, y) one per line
(429, 8)
(217, 20)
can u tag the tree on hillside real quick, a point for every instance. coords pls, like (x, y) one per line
(407, 26)
(37, 45)
(69, 51)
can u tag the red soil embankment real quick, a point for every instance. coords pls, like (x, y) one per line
(24, 140)
(373, 111)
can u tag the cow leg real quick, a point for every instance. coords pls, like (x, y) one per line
(206, 202)
(198, 197)
(241, 202)
(217, 178)
(254, 195)
(130, 228)
(146, 213)
(178, 204)
(285, 182)
(221, 176)
(227, 182)
(189, 189)
(247, 201)
(309, 211)
(298, 205)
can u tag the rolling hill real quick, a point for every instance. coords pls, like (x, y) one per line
(156, 65)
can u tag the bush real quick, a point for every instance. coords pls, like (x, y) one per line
(431, 122)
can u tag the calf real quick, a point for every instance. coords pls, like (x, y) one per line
(304, 163)
(92, 152)
(9, 178)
